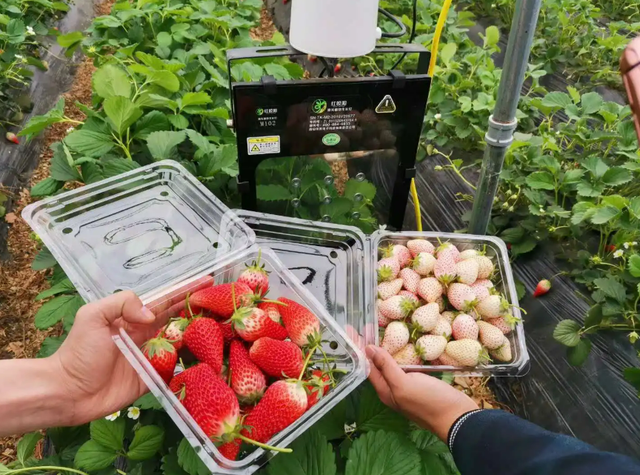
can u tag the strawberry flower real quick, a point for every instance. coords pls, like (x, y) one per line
(30, 31)
(133, 413)
(113, 417)
(618, 254)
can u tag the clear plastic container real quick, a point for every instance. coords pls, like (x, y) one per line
(504, 283)
(159, 232)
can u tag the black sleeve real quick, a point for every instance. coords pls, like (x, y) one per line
(493, 442)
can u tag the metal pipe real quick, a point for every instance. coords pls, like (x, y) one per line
(503, 121)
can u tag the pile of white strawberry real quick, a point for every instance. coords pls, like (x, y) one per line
(439, 306)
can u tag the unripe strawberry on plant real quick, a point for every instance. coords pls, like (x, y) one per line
(490, 336)
(423, 263)
(461, 297)
(445, 270)
(467, 352)
(430, 289)
(442, 328)
(11, 137)
(543, 288)
(277, 358)
(467, 271)
(410, 279)
(426, 317)
(397, 307)
(431, 347)
(485, 267)
(205, 340)
(301, 324)
(389, 289)
(410, 295)
(468, 254)
(388, 269)
(162, 356)
(400, 252)
(396, 337)
(464, 327)
(448, 250)
(416, 246)
(503, 353)
(408, 356)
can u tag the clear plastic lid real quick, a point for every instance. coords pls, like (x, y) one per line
(144, 230)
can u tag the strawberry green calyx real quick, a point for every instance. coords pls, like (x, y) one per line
(157, 346)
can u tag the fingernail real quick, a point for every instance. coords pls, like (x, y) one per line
(148, 315)
(370, 351)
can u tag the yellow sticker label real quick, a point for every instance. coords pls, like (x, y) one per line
(263, 145)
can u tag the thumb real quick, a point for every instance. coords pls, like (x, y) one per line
(386, 365)
(123, 304)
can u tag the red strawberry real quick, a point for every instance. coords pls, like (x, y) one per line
(317, 387)
(338, 68)
(211, 403)
(247, 381)
(219, 298)
(410, 279)
(416, 246)
(312, 58)
(162, 356)
(228, 333)
(611, 248)
(543, 288)
(174, 332)
(256, 277)
(282, 404)
(11, 137)
(272, 310)
(230, 450)
(204, 339)
(252, 324)
(302, 325)
(277, 358)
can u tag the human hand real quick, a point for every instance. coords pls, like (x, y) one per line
(94, 376)
(429, 402)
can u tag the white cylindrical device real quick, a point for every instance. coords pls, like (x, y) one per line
(334, 28)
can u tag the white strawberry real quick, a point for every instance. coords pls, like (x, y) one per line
(423, 263)
(493, 306)
(461, 297)
(485, 283)
(431, 347)
(465, 327)
(430, 289)
(450, 316)
(410, 279)
(467, 352)
(389, 289)
(485, 267)
(445, 270)
(503, 353)
(426, 317)
(411, 296)
(442, 328)
(480, 290)
(490, 336)
(397, 307)
(440, 302)
(408, 356)
(382, 320)
(468, 254)
(388, 269)
(448, 250)
(396, 337)
(399, 252)
(501, 324)
(446, 360)
(467, 271)
(416, 246)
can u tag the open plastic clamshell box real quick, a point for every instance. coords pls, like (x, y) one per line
(337, 264)
(157, 231)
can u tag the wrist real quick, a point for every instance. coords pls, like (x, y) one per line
(447, 418)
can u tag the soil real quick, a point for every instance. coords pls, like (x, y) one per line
(266, 29)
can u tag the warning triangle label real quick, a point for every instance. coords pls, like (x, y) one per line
(386, 106)
(255, 148)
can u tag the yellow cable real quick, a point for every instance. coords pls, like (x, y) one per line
(432, 65)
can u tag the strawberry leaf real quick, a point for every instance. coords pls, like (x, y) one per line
(170, 465)
(92, 456)
(611, 288)
(383, 452)
(567, 333)
(44, 260)
(146, 442)
(62, 307)
(372, 414)
(26, 446)
(312, 455)
(331, 426)
(189, 460)
(148, 401)
(578, 354)
(632, 375)
(109, 434)
(634, 265)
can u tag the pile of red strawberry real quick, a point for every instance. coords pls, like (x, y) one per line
(440, 306)
(254, 369)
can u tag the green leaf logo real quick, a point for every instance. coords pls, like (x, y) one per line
(319, 106)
